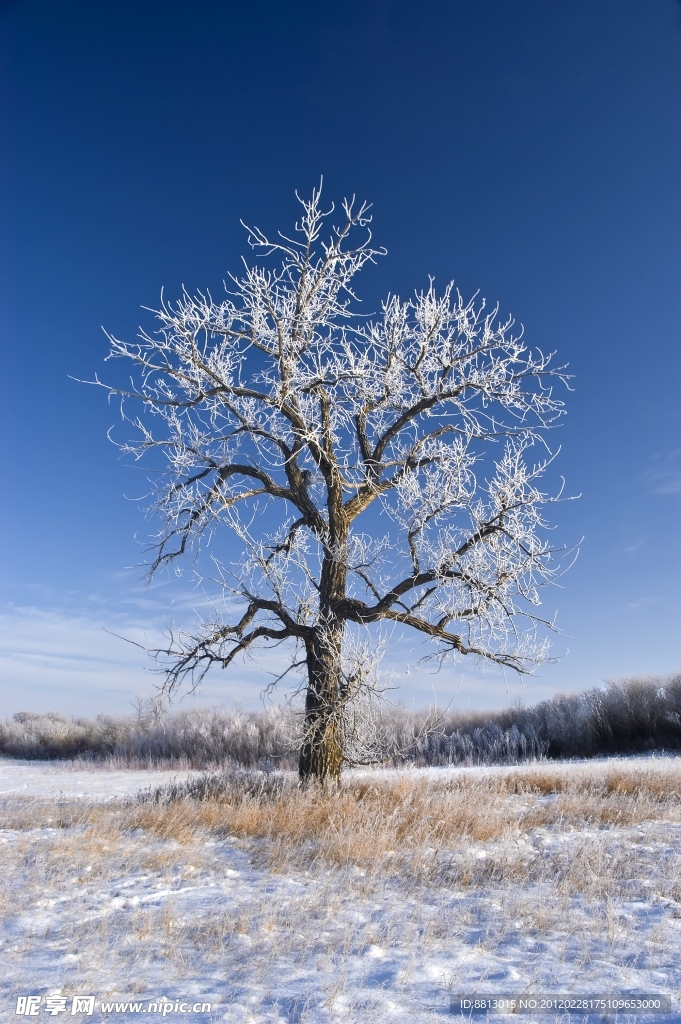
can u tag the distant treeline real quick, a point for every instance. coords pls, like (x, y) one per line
(630, 716)
(626, 717)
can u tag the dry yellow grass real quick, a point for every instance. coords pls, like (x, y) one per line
(474, 858)
(372, 820)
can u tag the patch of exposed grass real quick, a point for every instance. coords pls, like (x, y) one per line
(468, 860)
(374, 820)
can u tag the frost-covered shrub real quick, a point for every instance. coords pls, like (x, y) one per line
(625, 717)
(197, 737)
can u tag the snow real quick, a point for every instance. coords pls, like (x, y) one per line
(133, 918)
(48, 779)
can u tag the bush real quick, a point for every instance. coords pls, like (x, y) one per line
(630, 716)
(198, 738)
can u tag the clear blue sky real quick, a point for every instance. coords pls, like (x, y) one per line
(527, 148)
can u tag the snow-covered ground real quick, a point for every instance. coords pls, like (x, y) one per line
(54, 779)
(128, 918)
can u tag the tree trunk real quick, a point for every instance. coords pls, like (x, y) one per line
(321, 754)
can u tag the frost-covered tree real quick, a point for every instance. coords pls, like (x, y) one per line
(371, 470)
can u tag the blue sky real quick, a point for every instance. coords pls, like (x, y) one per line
(530, 149)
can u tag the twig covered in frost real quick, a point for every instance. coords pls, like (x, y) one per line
(282, 414)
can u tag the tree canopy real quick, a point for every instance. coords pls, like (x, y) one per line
(372, 469)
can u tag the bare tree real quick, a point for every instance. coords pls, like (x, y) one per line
(374, 470)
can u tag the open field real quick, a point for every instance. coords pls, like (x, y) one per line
(275, 904)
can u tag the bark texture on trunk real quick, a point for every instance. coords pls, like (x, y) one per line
(321, 754)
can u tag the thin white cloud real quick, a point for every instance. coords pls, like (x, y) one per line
(50, 660)
(71, 662)
(664, 474)
(59, 652)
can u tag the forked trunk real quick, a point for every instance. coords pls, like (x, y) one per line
(321, 754)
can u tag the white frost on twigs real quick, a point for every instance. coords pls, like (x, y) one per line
(282, 414)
